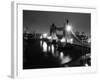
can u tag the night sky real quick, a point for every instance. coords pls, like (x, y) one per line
(40, 21)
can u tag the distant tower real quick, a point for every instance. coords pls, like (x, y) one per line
(67, 30)
(67, 21)
(52, 29)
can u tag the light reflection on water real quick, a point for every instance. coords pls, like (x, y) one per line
(44, 47)
(51, 48)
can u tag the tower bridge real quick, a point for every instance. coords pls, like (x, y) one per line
(67, 33)
(59, 47)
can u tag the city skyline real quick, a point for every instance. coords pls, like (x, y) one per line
(40, 21)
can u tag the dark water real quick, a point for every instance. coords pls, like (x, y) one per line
(34, 57)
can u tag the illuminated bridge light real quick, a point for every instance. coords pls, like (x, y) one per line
(41, 37)
(70, 40)
(45, 35)
(63, 40)
(89, 40)
(49, 37)
(68, 28)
